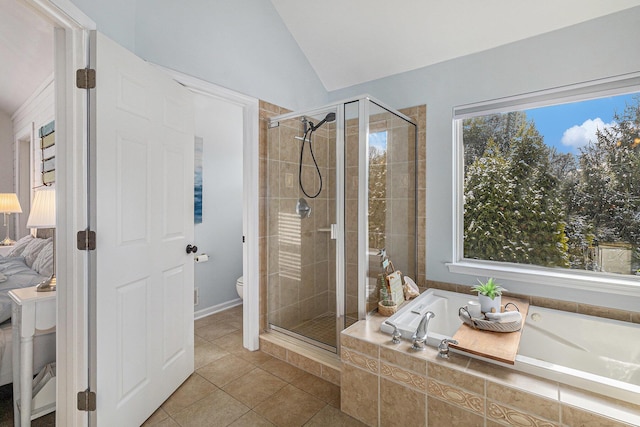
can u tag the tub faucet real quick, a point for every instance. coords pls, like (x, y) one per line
(420, 335)
(396, 335)
(443, 348)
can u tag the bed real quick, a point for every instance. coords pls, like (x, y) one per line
(29, 262)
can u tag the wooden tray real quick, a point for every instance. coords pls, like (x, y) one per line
(499, 346)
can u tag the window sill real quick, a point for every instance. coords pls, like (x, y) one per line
(606, 283)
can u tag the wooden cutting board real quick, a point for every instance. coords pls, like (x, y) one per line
(500, 346)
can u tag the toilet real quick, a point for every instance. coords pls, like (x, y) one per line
(239, 287)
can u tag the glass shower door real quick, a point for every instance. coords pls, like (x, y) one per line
(301, 200)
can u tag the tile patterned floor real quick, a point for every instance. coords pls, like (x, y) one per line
(236, 387)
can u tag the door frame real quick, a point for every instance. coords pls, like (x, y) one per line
(72, 27)
(250, 197)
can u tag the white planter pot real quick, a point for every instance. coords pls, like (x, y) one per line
(486, 303)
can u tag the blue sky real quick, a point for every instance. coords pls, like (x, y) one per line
(570, 126)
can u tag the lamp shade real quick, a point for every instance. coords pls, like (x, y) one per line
(43, 210)
(9, 203)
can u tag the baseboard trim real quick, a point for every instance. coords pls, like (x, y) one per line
(216, 308)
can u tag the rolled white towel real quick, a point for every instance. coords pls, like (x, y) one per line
(506, 317)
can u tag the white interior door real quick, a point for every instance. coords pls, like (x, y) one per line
(144, 221)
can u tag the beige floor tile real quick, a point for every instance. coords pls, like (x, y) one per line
(254, 387)
(257, 358)
(155, 418)
(330, 416)
(282, 370)
(231, 342)
(212, 332)
(322, 389)
(226, 369)
(217, 409)
(193, 389)
(167, 422)
(290, 406)
(206, 352)
(251, 419)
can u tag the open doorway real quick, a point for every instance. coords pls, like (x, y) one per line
(27, 103)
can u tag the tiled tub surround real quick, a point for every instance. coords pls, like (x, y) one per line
(388, 384)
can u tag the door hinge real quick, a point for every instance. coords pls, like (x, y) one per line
(86, 78)
(86, 240)
(86, 400)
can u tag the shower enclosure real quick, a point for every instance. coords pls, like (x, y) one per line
(341, 186)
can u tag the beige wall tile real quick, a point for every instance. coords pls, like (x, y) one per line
(273, 349)
(456, 396)
(515, 417)
(441, 414)
(545, 408)
(555, 304)
(400, 406)
(609, 313)
(407, 378)
(331, 374)
(359, 394)
(360, 346)
(361, 360)
(401, 358)
(575, 417)
(518, 380)
(304, 363)
(456, 377)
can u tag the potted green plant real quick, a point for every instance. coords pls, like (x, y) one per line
(489, 295)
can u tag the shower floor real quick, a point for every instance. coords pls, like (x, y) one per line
(323, 328)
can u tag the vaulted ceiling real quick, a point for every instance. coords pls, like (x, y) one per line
(352, 41)
(346, 41)
(26, 53)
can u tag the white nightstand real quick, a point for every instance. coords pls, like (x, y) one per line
(32, 313)
(4, 250)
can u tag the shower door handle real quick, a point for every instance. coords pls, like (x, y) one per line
(334, 231)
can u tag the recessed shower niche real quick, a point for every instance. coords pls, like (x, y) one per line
(341, 186)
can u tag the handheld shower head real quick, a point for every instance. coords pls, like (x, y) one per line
(331, 117)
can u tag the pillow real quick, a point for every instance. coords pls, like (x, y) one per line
(32, 250)
(20, 245)
(43, 265)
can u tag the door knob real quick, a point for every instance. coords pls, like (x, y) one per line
(192, 249)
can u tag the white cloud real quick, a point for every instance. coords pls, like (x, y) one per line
(578, 136)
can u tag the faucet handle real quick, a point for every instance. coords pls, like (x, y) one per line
(396, 335)
(443, 348)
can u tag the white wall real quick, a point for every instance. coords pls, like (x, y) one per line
(114, 18)
(6, 159)
(220, 124)
(597, 49)
(241, 45)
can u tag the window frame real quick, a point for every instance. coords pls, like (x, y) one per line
(561, 278)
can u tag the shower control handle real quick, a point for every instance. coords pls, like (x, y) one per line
(334, 231)
(192, 249)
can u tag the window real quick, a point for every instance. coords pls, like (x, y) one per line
(552, 189)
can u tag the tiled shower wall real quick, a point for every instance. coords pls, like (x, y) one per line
(267, 110)
(300, 254)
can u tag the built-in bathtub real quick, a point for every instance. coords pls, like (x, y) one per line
(596, 354)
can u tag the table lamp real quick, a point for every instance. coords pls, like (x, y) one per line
(8, 204)
(43, 215)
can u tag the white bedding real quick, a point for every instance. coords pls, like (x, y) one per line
(28, 263)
